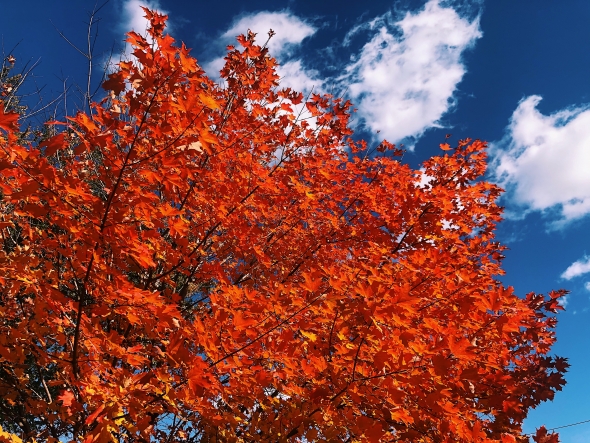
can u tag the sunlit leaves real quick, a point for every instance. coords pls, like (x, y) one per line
(194, 262)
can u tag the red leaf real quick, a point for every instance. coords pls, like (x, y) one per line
(52, 144)
(67, 397)
(8, 121)
(115, 83)
(543, 436)
(26, 190)
(242, 322)
(95, 414)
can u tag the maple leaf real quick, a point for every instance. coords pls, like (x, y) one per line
(561, 364)
(309, 335)
(208, 101)
(115, 83)
(52, 144)
(67, 398)
(94, 415)
(242, 321)
(8, 120)
(310, 283)
(543, 436)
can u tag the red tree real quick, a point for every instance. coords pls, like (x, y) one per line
(192, 262)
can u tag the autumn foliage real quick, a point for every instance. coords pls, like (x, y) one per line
(224, 263)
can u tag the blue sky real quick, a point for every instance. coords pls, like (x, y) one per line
(514, 73)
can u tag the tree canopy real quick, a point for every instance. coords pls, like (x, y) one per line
(203, 262)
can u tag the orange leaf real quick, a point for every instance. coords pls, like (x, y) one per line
(67, 398)
(8, 121)
(208, 101)
(52, 144)
(310, 283)
(242, 322)
(95, 414)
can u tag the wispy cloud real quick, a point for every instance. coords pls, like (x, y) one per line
(577, 268)
(543, 160)
(404, 78)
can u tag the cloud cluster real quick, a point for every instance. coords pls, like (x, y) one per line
(563, 301)
(404, 77)
(577, 268)
(402, 80)
(543, 160)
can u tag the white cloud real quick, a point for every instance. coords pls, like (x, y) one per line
(295, 76)
(290, 31)
(425, 179)
(543, 160)
(404, 79)
(577, 268)
(587, 285)
(563, 301)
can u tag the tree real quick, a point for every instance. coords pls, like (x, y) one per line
(191, 262)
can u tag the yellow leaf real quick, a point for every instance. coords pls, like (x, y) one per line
(208, 101)
(309, 335)
(8, 437)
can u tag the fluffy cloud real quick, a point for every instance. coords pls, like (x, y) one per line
(403, 79)
(543, 160)
(405, 76)
(290, 32)
(296, 76)
(577, 268)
